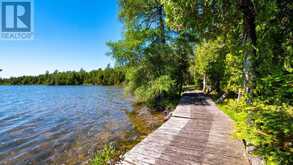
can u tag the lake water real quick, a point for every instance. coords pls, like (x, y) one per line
(59, 124)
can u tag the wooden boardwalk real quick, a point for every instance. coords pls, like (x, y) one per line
(197, 133)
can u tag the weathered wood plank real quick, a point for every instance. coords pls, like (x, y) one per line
(197, 133)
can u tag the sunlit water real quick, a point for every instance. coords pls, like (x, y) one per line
(49, 124)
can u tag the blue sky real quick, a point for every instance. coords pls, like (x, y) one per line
(68, 35)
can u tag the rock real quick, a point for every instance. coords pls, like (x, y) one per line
(253, 159)
(256, 161)
(168, 115)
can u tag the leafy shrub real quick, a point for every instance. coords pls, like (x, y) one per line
(276, 88)
(104, 156)
(269, 128)
(155, 91)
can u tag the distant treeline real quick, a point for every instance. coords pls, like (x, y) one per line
(108, 76)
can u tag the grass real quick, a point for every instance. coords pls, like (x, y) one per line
(104, 156)
(228, 111)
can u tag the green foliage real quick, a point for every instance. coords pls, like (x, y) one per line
(269, 128)
(157, 78)
(108, 76)
(154, 91)
(104, 156)
(233, 74)
(203, 19)
(155, 59)
(276, 88)
(210, 61)
(216, 41)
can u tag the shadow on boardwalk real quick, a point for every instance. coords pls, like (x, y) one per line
(197, 133)
(194, 98)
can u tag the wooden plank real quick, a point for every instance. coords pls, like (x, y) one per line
(197, 133)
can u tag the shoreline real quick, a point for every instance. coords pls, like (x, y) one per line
(56, 126)
(144, 121)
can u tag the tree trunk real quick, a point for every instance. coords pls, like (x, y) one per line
(239, 95)
(204, 83)
(162, 25)
(222, 98)
(249, 34)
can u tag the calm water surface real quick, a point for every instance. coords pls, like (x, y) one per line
(53, 125)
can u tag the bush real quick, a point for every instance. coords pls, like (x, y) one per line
(269, 128)
(154, 93)
(104, 156)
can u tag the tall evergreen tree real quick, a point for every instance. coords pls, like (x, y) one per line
(154, 56)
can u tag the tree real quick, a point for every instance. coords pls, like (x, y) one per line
(213, 18)
(241, 47)
(149, 52)
(210, 62)
(249, 39)
(108, 76)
